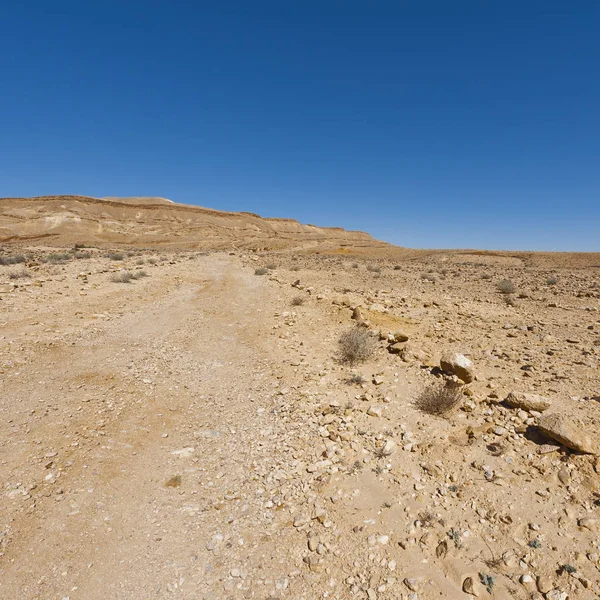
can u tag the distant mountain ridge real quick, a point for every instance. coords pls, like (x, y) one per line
(152, 221)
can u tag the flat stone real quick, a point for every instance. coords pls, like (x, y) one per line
(528, 402)
(562, 430)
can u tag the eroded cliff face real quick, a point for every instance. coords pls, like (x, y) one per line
(157, 221)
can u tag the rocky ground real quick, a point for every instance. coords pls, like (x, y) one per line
(174, 425)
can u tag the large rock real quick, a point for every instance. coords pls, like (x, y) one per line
(459, 365)
(558, 428)
(528, 401)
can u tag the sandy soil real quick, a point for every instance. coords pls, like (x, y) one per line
(193, 433)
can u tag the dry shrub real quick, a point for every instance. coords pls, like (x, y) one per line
(21, 274)
(506, 286)
(439, 398)
(356, 345)
(12, 260)
(298, 300)
(374, 268)
(124, 277)
(261, 271)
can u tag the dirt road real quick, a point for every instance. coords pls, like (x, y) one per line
(137, 437)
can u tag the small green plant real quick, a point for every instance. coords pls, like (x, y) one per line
(487, 581)
(356, 345)
(536, 544)
(455, 535)
(567, 569)
(261, 271)
(506, 286)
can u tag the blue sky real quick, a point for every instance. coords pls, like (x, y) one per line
(429, 124)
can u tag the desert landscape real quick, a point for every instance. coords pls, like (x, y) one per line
(201, 404)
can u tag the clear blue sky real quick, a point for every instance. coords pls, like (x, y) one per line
(428, 124)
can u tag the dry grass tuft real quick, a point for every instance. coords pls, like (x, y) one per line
(298, 300)
(20, 274)
(261, 271)
(439, 399)
(506, 286)
(356, 345)
(124, 277)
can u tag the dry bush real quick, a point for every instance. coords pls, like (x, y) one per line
(506, 286)
(57, 258)
(374, 268)
(81, 255)
(139, 274)
(21, 274)
(114, 256)
(551, 281)
(354, 265)
(298, 300)
(295, 268)
(139, 261)
(12, 260)
(271, 266)
(428, 277)
(124, 277)
(439, 399)
(355, 379)
(509, 299)
(261, 271)
(397, 267)
(356, 345)
(152, 261)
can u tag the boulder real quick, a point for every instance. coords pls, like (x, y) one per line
(459, 365)
(559, 428)
(528, 401)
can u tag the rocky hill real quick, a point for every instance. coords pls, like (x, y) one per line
(59, 220)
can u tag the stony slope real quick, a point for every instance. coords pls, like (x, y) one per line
(159, 222)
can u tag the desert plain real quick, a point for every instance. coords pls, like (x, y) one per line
(178, 418)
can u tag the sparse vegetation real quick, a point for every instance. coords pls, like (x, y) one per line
(374, 268)
(12, 260)
(139, 261)
(510, 300)
(261, 271)
(551, 281)
(354, 265)
(355, 379)
(428, 277)
(151, 261)
(20, 274)
(57, 258)
(114, 256)
(298, 300)
(356, 345)
(271, 266)
(124, 277)
(487, 581)
(81, 255)
(439, 399)
(506, 286)
(295, 268)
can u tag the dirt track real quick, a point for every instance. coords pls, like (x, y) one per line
(177, 382)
